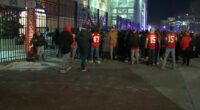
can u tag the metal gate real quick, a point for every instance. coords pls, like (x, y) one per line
(50, 14)
(12, 34)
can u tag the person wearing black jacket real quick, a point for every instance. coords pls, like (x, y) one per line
(134, 44)
(66, 40)
(38, 43)
(83, 40)
(56, 42)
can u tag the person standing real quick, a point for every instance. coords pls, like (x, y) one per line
(113, 42)
(95, 46)
(151, 45)
(171, 39)
(158, 47)
(56, 42)
(38, 42)
(185, 45)
(134, 43)
(105, 45)
(83, 40)
(66, 40)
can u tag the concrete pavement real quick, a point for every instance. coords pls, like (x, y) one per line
(111, 85)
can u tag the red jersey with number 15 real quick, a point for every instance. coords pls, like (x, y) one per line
(95, 39)
(152, 37)
(171, 40)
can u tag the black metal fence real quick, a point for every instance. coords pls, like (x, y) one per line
(12, 35)
(50, 14)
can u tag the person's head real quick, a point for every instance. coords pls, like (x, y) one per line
(84, 26)
(152, 29)
(56, 30)
(187, 33)
(47, 29)
(95, 29)
(171, 29)
(134, 31)
(38, 33)
(67, 28)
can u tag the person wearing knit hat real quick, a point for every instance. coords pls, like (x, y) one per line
(66, 39)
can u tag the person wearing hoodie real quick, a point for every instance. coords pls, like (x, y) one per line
(171, 39)
(66, 39)
(113, 42)
(134, 44)
(83, 40)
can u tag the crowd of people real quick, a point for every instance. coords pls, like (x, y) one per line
(153, 48)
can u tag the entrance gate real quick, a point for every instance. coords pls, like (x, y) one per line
(12, 34)
(50, 14)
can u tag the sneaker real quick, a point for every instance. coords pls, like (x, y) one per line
(99, 62)
(126, 61)
(91, 61)
(69, 68)
(63, 71)
(83, 70)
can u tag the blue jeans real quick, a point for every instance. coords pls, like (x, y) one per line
(167, 52)
(96, 50)
(83, 57)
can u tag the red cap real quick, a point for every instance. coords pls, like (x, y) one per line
(68, 28)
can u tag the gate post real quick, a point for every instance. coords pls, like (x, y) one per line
(31, 4)
(75, 14)
(106, 20)
(58, 14)
(98, 21)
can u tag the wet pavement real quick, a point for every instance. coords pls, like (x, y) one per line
(112, 85)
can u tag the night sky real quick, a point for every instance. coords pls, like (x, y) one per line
(161, 9)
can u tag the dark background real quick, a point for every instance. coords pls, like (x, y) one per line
(161, 9)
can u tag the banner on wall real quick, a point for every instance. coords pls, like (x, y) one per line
(31, 4)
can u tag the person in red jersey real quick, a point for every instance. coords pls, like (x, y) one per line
(171, 39)
(185, 45)
(95, 46)
(151, 45)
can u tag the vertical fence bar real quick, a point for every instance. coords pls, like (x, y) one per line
(75, 14)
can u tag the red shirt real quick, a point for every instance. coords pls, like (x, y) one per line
(152, 37)
(185, 42)
(74, 41)
(95, 39)
(171, 40)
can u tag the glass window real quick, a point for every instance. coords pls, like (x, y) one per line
(114, 10)
(130, 10)
(114, 22)
(130, 16)
(122, 10)
(123, 16)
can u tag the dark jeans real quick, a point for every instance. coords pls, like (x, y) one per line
(142, 52)
(157, 55)
(83, 57)
(105, 55)
(151, 56)
(186, 56)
